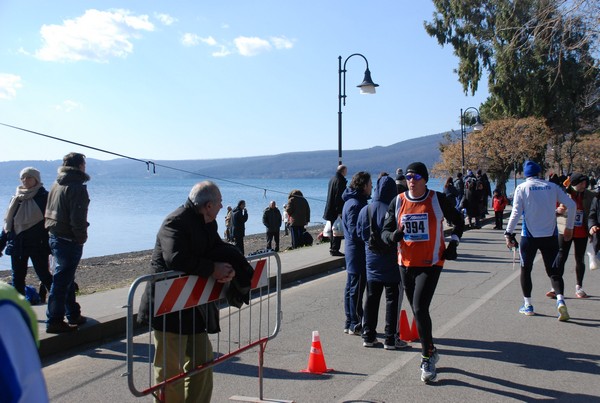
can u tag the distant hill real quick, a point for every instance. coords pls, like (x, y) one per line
(310, 164)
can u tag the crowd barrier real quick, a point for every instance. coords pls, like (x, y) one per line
(250, 326)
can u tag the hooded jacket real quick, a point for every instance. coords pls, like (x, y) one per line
(354, 248)
(380, 267)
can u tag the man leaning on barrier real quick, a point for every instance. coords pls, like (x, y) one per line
(188, 241)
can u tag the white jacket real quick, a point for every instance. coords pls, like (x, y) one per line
(536, 200)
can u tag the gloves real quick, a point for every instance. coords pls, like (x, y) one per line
(450, 252)
(398, 235)
(512, 240)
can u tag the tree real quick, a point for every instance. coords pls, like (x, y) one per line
(500, 147)
(548, 73)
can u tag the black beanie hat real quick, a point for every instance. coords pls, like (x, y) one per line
(418, 168)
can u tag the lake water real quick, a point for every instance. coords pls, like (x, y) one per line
(124, 215)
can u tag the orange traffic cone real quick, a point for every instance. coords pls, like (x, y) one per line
(404, 327)
(414, 331)
(316, 359)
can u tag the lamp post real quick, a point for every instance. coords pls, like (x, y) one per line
(477, 126)
(366, 87)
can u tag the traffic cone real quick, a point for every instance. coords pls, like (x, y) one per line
(414, 331)
(316, 359)
(404, 327)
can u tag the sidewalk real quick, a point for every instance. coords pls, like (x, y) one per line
(106, 311)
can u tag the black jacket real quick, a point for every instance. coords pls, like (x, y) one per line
(186, 243)
(335, 204)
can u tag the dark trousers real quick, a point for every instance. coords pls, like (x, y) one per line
(420, 284)
(548, 247)
(239, 242)
(19, 270)
(353, 300)
(563, 254)
(273, 235)
(335, 243)
(499, 215)
(374, 291)
(296, 233)
(61, 300)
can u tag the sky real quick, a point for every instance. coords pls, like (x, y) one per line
(175, 80)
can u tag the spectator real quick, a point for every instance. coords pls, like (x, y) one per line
(472, 202)
(459, 184)
(299, 216)
(66, 221)
(536, 200)
(415, 220)
(594, 222)
(228, 225)
(286, 221)
(382, 268)
(24, 234)
(272, 221)
(486, 190)
(499, 203)
(239, 216)
(401, 185)
(334, 205)
(355, 198)
(451, 193)
(188, 241)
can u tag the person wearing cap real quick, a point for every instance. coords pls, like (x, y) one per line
(577, 190)
(23, 233)
(66, 222)
(535, 200)
(414, 220)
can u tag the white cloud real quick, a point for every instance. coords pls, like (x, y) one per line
(190, 39)
(165, 19)
(251, 46)
(9, 83)
(68, 106)
(282, 42)
(96, 35)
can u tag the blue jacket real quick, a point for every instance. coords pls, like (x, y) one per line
(380, 267)
(354, 248)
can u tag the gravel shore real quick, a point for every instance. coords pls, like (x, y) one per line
(103, 273)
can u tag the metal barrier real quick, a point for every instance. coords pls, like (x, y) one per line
(241, 329)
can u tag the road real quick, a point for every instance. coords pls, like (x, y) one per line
(489, 352)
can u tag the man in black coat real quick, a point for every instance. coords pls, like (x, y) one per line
(272, 221)
(188, 241)
(335, 204)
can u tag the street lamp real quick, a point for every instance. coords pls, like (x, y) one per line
(366, 87)
(477, 127)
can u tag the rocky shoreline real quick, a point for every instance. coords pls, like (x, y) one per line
(103, 273)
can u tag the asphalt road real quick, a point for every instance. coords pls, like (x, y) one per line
(488, 351)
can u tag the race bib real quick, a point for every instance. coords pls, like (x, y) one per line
(416, 227)
(579, 218)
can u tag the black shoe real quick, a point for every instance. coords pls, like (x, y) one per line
(78, 321)
(60, 327)
(336, 253)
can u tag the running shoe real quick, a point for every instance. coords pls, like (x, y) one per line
(527, 310)
(551, 294)
(581, 294)
(370, 342)
(394, 343)
(428, 372)
(434, 357)
(563, 314)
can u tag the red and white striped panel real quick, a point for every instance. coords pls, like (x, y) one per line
(175, 294)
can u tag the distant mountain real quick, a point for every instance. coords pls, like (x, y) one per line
(310, 164)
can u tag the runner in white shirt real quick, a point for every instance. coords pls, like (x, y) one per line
(536, 200)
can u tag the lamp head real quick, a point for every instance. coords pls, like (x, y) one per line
(367, 86)
(478, 126)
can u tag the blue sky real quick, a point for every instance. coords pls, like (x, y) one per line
(176, 80)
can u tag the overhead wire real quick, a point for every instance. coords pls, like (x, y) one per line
(150, 163)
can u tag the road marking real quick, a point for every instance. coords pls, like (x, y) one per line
(373, 380)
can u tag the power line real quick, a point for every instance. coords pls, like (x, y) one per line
(152, 163)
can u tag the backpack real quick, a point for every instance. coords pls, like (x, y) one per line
(307, 239)
(375, 243)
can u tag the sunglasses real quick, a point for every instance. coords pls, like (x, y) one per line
(416, 177)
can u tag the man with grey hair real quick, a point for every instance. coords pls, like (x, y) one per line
(272, 221)
(188, 241)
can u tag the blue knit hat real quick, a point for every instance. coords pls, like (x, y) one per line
(530, 168)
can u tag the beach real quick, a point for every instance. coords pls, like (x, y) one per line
(108, 272)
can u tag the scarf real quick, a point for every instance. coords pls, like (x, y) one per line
(23, 212)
